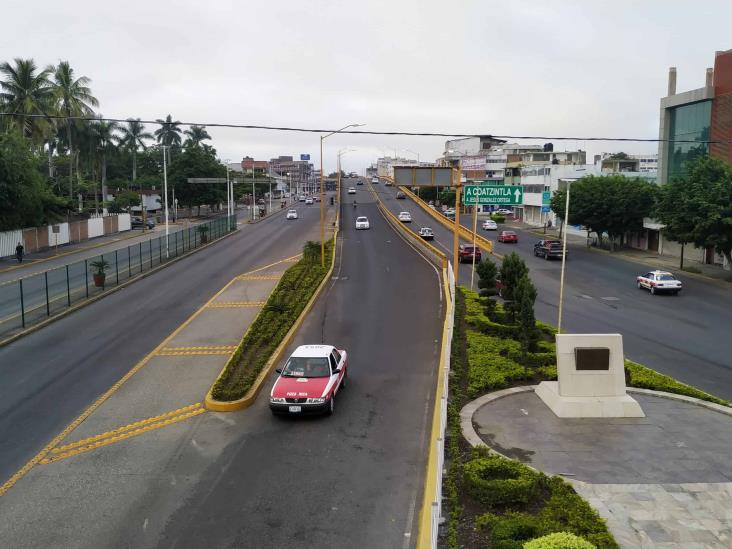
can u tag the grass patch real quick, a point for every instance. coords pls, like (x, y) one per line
(691, 269)
(642, 377)
(285, 303)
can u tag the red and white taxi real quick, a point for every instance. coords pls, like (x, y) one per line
(659, 281)
(309, 381)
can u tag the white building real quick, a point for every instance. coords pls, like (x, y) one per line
(385, 165)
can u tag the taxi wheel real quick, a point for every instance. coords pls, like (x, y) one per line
(653, 290)
(331, 406)
(640, 287)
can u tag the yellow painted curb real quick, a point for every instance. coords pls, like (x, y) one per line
(248, 399)
(424, 525)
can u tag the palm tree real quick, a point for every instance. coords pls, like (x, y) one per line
(168, 133)
(25, 91)
(133, 137)
(74, 99)
(107, 140)
(196, 134)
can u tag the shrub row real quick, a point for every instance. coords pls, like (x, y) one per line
(561, 509)
(280, 312)
(645, 378)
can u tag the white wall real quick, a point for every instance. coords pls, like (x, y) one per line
(95, 227)
(59, 238)
(124, 222)
(8, 241)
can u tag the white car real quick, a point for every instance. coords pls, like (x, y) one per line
(351, 190)
(302, 198)
(308, 200)
(387, 183)
(426, 233)
(291, 214)
(405, 217)
(504, 211)
(362, 222)
(490, 225)
(374, 180)
(659, 281)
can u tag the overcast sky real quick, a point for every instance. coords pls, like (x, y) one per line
(562, 68)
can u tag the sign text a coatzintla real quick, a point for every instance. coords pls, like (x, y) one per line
(504, 195)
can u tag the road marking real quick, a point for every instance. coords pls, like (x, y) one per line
(233, 304)
(611, 298)
(200, 350)
(258, 277)
(20, 473)
(123, 433)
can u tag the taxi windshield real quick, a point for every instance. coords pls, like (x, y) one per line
(306, 367)
(666, 277)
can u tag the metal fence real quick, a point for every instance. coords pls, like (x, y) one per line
(32, 299)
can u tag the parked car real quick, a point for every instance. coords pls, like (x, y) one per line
(302, 198)
(466, 252)
(508, 236)
(136, 222)
(351, 190)
(362, 222)
(401, 196)
(387, 183)
(426, 233)
(291, 214)
(490, 225)
(405, 217)
(548, 249)
(659, 281)
(309, 381)
(504, 211)
(359, 182)
(374, 180)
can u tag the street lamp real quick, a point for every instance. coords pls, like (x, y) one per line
(322, 192)
(165, 199)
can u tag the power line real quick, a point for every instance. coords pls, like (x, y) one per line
(367, 132)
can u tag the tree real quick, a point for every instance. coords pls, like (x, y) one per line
(512, 270)
(196, 135)
(124, 201)
(487, 272)
(674, 211)
(133, 138)
(168, 133)
(25, 198)
(612, 204)
(524, 298)
(74, 98)
(707, 191)
(25, 91)
(107, 140)
(196, 162)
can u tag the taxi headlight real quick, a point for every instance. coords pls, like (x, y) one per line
(277, 400)
(316, 400)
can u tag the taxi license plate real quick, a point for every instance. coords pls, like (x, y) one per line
(295, 408)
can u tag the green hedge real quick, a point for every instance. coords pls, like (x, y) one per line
(282, 309)
(645, 378)
(498, 218)
(559, 540)
(493, 480)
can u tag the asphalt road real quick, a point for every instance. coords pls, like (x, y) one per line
(353, 479)
(685, 336)
(49, 377)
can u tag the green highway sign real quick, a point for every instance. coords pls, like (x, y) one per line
(498, 195)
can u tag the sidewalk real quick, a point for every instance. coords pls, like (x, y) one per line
(666, 263)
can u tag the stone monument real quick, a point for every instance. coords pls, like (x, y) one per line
(591, 378)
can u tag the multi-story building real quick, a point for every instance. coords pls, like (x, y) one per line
(385, 165)
(299, 171)
(691, 124)
(248, 164)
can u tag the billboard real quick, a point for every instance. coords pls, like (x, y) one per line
(411, 176)
(473, 163)
(304, 157)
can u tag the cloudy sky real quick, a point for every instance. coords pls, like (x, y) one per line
(562, 68)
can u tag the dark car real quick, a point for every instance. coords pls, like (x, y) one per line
(508, 236)
(466, 253)
(136, 222)
(401, 196)
(548, 249)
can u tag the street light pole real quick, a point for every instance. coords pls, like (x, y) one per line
(322, 192)
(254, 198)
(564, 260)
(165, 199)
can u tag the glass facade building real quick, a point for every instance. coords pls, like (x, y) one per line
(691, 122)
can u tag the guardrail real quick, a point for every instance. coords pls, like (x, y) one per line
(28, 301)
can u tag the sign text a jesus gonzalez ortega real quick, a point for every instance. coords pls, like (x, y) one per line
(497, 195)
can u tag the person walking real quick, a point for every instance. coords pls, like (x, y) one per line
(19, 252)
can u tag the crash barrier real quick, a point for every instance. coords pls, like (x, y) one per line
(36, 239)
(464, 232)
(31, 300)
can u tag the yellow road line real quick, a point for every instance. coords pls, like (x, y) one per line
(258, 277)
(124, 428)
(8, 484)
(202, 348)
(194, 353)
(122, 436)
(231, 304)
